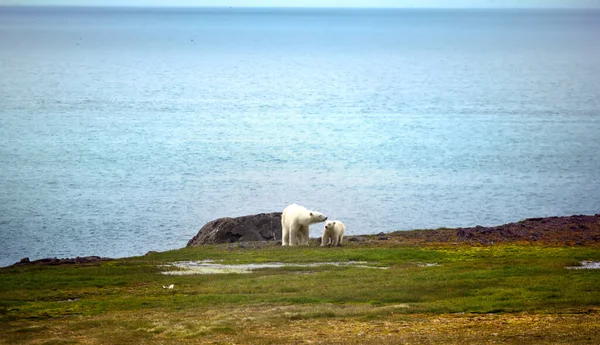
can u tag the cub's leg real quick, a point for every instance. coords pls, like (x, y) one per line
(334, 241)
(324, 239)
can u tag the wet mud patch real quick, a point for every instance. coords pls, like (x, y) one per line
(212, 267)
(586, 265)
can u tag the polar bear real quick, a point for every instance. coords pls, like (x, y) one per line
(295, 221)
(333, 233)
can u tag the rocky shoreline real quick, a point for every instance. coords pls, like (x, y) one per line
(573, 230)
(261, 229)
(266, 227)
(64, 261)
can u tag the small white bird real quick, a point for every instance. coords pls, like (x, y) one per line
(169, 287)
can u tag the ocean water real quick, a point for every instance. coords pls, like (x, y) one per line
(125, 130)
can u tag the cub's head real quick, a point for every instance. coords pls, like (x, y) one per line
(329, 225)
(317, 217)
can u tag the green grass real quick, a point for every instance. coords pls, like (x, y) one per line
(466, 279)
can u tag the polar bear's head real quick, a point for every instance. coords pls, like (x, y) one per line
(329, 225)
(317, 217)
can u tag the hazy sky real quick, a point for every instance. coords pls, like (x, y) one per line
(320, 3)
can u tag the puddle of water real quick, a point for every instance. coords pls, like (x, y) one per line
(586, 265)
(209, 267)
(429, 265)
(68, 300)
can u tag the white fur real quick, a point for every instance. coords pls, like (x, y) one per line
(333, 233)
(295, 221)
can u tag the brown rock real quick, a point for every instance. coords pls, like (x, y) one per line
(578, 228)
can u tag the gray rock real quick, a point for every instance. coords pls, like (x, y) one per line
(256, 227)
(66, 261)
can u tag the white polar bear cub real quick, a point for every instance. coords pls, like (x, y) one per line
(295, 221)
(333, 233)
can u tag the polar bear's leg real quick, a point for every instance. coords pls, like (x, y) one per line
(285, 235)
(300, 234)
(285, 231)
(334, 240)
(303, 235)
(293, 234)
(324, 239)
(340, 240)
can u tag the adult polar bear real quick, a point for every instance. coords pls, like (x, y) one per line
(295, 221)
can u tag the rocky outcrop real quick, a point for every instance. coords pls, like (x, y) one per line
(569, 230)
(66, 261)
(577, 230)
(257, 227)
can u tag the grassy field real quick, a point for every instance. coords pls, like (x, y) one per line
(415, 294)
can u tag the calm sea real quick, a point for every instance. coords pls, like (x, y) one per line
(125, 130)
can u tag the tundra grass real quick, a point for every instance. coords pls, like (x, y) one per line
(416, 294)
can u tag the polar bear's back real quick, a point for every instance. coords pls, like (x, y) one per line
(338, 228)
(293, 208)
(296, 214)
(293, 212)
(341, 227)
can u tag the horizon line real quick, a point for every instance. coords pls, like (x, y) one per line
(303, 7)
